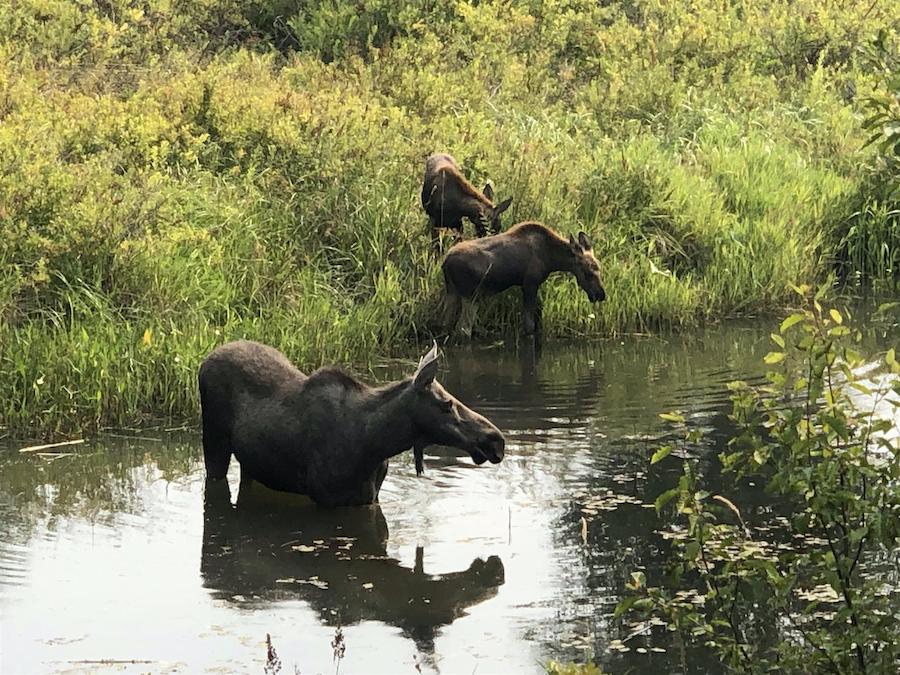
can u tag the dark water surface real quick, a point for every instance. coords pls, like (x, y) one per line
(112, 559)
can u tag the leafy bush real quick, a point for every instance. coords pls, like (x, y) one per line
(821, 436)
(212, 169)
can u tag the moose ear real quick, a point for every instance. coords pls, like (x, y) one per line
(488, 192)
(427, 369)
(584, 241)
(572, 243)
(502, 206)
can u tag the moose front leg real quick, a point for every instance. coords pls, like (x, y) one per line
(531, 307)
(435, 235)
(480, 226)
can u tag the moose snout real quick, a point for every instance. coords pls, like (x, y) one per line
(599, 295)
(493, 445)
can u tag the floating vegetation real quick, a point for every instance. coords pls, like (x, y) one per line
(820, 593)
(592, 506)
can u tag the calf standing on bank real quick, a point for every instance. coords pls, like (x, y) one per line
(448, 197)
(525, 255)
(328, 435)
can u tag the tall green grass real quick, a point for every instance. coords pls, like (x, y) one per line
(177, 175)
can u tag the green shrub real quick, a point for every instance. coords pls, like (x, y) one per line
(215, 169)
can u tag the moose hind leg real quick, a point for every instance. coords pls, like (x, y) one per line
(452, 309)
(216, 449)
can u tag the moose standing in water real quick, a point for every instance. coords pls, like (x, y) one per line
(328, 435)
(448, 197)
(525, 255)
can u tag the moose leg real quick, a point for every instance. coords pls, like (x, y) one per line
(531, 308)
(435, 235)
(452, 309)
(457, 227)
(216, 445)
(380, 473)
(469, 313)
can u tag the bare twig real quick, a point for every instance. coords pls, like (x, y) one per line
(36, 448)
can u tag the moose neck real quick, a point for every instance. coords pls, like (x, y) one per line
(390, 429)
(477, 206)
(560, 257)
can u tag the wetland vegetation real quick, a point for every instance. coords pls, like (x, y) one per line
(179, 174)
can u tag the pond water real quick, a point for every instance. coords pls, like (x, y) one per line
(114, 559)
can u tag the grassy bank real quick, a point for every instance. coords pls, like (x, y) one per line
(179, 174)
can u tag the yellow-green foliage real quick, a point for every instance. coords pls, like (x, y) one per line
(175, 174)
(555, 668)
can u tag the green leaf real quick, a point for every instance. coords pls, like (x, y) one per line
(691, 551)
(791, 320)
(774, 357)
(836, 316)
(778, 340)
(672, 417)
(664, 499)
(661, 454)
(891, 357)
(861, 388)
(839, 426)
(626, 604)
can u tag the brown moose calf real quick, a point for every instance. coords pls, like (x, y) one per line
(448, 197)
(525, 255)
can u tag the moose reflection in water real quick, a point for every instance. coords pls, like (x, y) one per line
(523, 256)
(328, 435)
(271, 546)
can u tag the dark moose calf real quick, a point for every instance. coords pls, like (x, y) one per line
(525, 255)
(327, 435)
(448, 197)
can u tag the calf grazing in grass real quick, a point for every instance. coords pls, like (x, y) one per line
(524, 256)
(328, 435)
(448, 197)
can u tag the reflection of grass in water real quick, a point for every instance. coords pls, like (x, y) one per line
(100, 477)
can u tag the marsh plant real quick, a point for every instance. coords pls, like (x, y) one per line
(822, 436)
(176, 175)
(273, 661)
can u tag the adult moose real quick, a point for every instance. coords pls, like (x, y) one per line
(328, 435)
(448, 197)
(524, 256)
